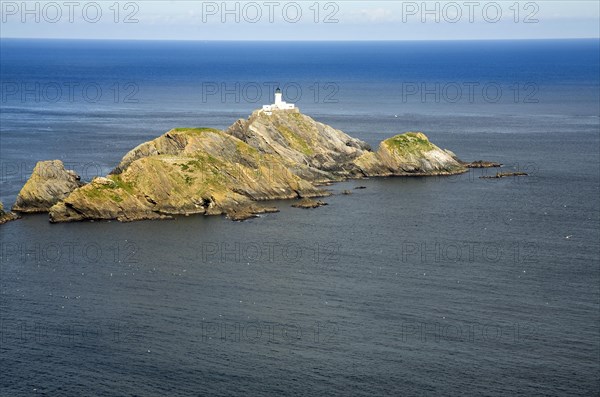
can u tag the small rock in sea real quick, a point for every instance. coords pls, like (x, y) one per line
(360, 187)
(239, 216)
(309, 203)
(249, 212)
(268, 210)
(346, 192)
(483, 164)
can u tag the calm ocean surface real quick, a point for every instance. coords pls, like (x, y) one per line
(418, 286)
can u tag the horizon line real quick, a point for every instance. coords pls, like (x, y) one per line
(296, 40)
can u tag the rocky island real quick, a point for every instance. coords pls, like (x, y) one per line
(274, 154)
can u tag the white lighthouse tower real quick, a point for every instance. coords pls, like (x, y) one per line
(278, 100)
(279, 104)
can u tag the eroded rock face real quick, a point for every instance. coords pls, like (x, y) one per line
(312, 150)
(6, 216)
(283, 155)
(103, 198)
(49, 183)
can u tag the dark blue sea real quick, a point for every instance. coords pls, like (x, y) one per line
(410, 287)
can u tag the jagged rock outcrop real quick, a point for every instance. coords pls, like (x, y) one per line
(49, 183)
(6, 216)
(283, 155)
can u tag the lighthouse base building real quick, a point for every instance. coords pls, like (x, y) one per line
(279, 104)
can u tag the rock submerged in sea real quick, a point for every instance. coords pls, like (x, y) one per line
(504, 175)
(186, 171)
(49, 183)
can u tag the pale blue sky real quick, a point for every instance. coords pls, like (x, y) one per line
(280, 20)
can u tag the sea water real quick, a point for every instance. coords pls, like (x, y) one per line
(412, 286)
